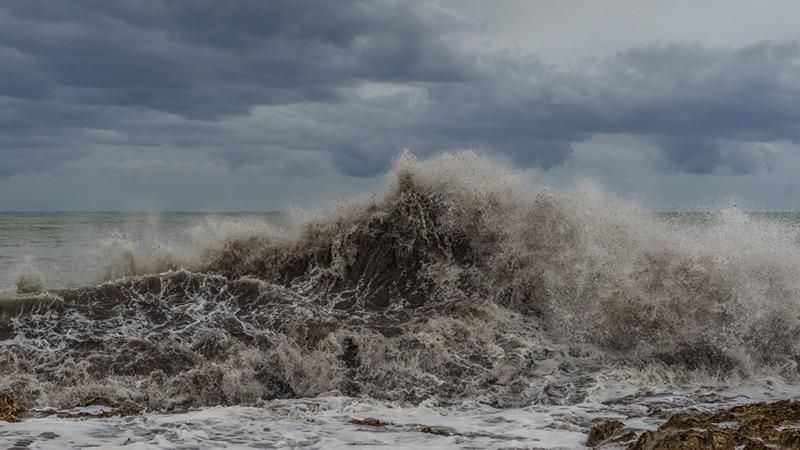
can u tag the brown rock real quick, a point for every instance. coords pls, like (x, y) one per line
(128, 409)
(440, 431)
(712, 439)
(603, 432)
(369, 421)
(754, 426)
(671, 439)
(10, 411)
(789, 438)
(696, 420)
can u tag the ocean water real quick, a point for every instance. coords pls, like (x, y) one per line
(62, 250)
(462, 306)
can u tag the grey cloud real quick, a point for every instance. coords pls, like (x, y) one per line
(707, 109)
(207, 59)
(692, 155)
(704, 156)
(34, 154)
(256, 83)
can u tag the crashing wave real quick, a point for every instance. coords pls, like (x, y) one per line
(458, 282)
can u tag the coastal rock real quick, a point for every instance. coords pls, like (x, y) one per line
(751, 426)
(607, 432)
(440, 431)
(10, 411)
(369, 421)
(688, 439)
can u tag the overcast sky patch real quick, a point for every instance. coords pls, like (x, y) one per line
(329, 92)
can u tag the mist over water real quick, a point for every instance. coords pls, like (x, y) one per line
(59, 250)
(461, 282)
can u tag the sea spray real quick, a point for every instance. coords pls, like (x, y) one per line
(459, 281)
(29, 280)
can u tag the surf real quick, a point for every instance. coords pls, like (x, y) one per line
(460, 280)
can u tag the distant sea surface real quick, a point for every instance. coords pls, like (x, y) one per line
(70, 249)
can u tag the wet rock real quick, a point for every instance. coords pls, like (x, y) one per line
(751, 426)
(21, 444)
(370, 422)
(127, 409)
(10, 411)
(440, 431)
(691, 439)
(607, 432)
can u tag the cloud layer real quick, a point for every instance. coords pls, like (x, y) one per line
(301, 87)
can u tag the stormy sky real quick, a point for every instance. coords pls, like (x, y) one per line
(254, 105)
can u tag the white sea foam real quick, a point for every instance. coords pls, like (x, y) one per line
(327, 422)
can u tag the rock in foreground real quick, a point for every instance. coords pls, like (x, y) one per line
(10, 411)
(752, 426)
(609, 431)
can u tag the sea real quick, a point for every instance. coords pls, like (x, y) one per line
(459, 306)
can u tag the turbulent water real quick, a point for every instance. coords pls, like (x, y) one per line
(460, 296)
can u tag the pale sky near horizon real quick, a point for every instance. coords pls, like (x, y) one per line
(253, 105)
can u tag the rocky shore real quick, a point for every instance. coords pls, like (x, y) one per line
(751, 426)
(10, 411)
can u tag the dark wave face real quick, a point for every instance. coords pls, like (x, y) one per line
(457, 282)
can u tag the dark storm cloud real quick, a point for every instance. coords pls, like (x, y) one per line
(205, 59)
(247, 81)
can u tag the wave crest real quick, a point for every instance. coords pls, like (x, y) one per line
(458, 281)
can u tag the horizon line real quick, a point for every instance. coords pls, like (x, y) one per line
(110, 211)
(282, 211)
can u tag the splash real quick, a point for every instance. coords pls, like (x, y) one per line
(28, 279)
(458, 281)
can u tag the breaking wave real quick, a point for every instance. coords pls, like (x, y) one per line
(457, 282)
